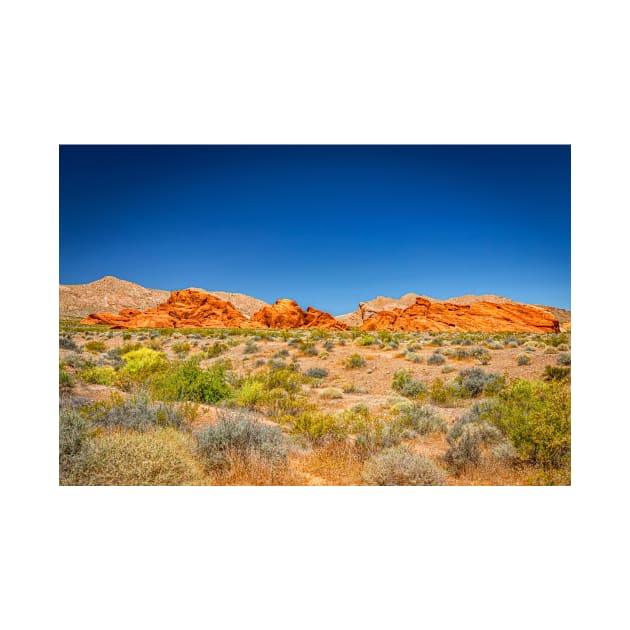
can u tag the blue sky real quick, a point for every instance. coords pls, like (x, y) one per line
(328, 226)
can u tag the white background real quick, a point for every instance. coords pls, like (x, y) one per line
(313, 72)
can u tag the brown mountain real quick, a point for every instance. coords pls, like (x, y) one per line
(428, 315)
(110, 294)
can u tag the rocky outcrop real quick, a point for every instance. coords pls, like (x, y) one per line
(189, 308)
(287, 314)
(427, 315)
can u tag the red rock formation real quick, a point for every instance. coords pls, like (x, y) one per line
(189, 308)
(287, 314)
(426, 315)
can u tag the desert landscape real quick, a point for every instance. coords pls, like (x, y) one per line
(193, 387)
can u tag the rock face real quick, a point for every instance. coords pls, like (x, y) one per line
(287, 314)
(190, 308)
(427, 315)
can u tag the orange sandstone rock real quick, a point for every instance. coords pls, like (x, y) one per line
(189, 308)
(426, 315)
(287, 314)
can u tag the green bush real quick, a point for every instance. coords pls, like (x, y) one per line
(404, 383)
(366, 340)
(216, 349)
(100, 375)
(74, 432)
(523, 359)
(332, 393)
(399, 467)
(181, 349)
(422, 419)
(355, 361)
(316, 372)
(250, 393)
(142, 363)
(318, 427)
(536, 417)
(65, 378)
(95, 347)
(556, 373)
(474, 382)
(189, 381)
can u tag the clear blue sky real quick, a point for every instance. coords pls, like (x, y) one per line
(328, 226)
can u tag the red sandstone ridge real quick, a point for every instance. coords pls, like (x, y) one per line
(287, 314)
(189, 308)
(426, 315)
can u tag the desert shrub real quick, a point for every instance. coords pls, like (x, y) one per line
(189, 381)
(422, 419)
(74, 431)
(550, 350)
(332, 393)
(442, 393)
(355, 361)
(399, 467)
(277, 364)
(160, 457)
(66, 343)
(436, 359)
(181, 349)
(465, 449)
(138, 412)
(289, 379)
(375, 434)
(523, 359)
(126, 336)
(142, 363)
(65, 378)
(552, 373)
(437, 341)
(474, 382)
(329, 344)
(495, 345)
(316, 372)
(250, 393)
(413, 357)
(482, 355)
(318, 427)
(447, 369)
(250, 348)
(404, 383)
(76, 361)
(281, 354)
(536, 418)
(563, 347)
(95, 347)
(100, 375)
(232, 438)
(505, 453)
(564, 359)
(365, 340)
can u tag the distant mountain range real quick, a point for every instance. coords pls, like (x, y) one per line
(110, 294)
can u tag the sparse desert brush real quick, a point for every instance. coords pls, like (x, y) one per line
(190, 382)
(564, 359)
(138, 412)
(399, 467)
(563, 347)
(505, 453)
(413, 357)
(404, 383)
(447, 369)
(331, 393)
(95, 347)
(550, 350)
(436, 359)
(74, 433)
(250, 347)
(105, 375)
(523, 359)
(474, 382)
(65, 378)
(127, 335)
(250, 393)
(181, 349)
(239, 439)
(444, 394)
(328, 345)
(66, 343)
(309, 349)
(355, 361)
(281, 354)
(318, 428)
(482, 355)
(366, 340)
(316, 372)
(160, 457)
(216, 349)
(421, 419)
(553, 373)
